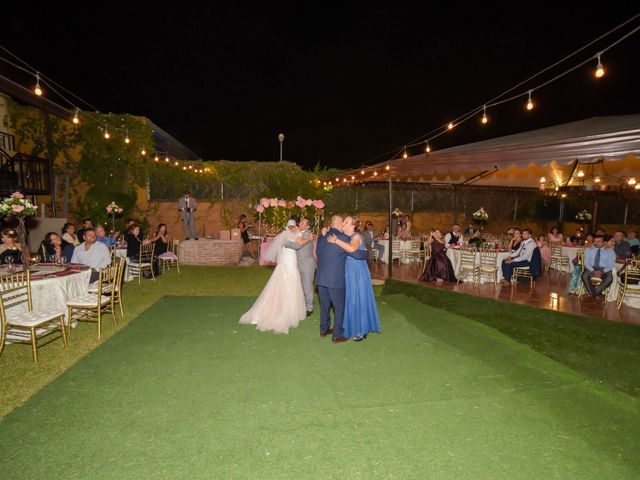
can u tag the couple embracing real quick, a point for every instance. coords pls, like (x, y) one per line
(343, 282)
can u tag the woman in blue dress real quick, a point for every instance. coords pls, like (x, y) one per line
(360, 310)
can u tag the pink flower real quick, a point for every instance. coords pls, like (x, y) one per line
(273, 202)
(301, 202)
(17, 195)
(260, 208)
(318, 203)
(308, 203)
(265, 202)
(17, 208)
(109, 209)
(282, 203)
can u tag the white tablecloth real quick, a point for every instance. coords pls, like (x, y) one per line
(404, 245)
(456, 260)
(570, 253)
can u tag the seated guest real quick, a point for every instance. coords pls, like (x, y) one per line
(131, 221)
(633, 242)
(87, 224)
(102, 237)
(371, 240)
(545, 251)
(161, 240)
(519, 258)
(134, 240)
(439, 268)
(554, 235)
(598, 262)
(92, 253)
(385, 234)
(470, 230)
(408, 223)
(622, 248)
(453, 236)
(55, 247)
(588, 240)
(516, 241)
(69, 234)
(10, 249)
(404, 234)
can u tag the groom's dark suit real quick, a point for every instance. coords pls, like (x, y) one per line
(330, 280)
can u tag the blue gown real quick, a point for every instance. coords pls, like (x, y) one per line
(360, 310)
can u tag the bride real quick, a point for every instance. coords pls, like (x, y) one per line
(281, 303)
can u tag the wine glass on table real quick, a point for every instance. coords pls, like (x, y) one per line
(10, 266)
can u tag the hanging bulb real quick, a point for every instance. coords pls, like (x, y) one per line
(405, 155)
(38, 90)
(530, 102)
(176, 164)
(361, 172)
(337, 179)
(126, 137)
(190, 167)
(485, 119)
(375, 174)
(543, 180)
(184, 168)
(450, 126)
(580, 174)
(76, 119)
(157, 158)
(599, 68)
(143, 152)
(106, 133)
(428, 148)
(596, 180)
(387, 167)
(353, 177)
(166, 159)
(632, 181)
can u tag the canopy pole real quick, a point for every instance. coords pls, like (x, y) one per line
(595, 215)
(626, 211)
(455, 204)
(515, 210)
(390, 249)
(411, 202)
(356, 199)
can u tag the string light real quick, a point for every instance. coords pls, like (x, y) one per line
(337, 179)
(184, 168)
(126, 137)
(375, 174)
(428, 148)
(353, 177)
(596, 180)
(543, 180)
(143, 152)
(637, 187)
(632, 181)
(599, 67)
(106, 133)
(166, 159)
(530, 102)
(76, 119)
(450, 126)
(38, 90)
(361, 172)
(580, 174)
(190, 167)
(176, 164)
(156, 158)
(485, 119)
(405, 155)
(387, 167)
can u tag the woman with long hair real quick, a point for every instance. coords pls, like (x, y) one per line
(54, 247)
(10, 249)
(439, 268)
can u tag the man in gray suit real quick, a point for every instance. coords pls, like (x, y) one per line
(306, 262)
(187, 206)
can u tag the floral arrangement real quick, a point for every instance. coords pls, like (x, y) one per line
(17, 206)
(480, 215)
(397, 213)
(583, 216)
(274, 213)
(112, 208)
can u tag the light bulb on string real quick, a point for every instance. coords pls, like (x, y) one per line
(176, 164)
(485, 119)
(375, 174)
(337, 179)
(184, 168)
(450, 126)
(530, 102)
(596, 180)
(143, 152)
(106, 133)
(580, 174)
(166, 159)
(599, 67)
(38, 89)
(353, 177)
(157, 158)
(361, 172)
(190, 167)
(405, 155)
(76, 119)
(387, 168)
(126, 137)
(427, 149)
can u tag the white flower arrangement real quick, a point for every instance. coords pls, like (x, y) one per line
(584, 216)
(113, 208)
(17, 206)
(397, 213)
(480, 214)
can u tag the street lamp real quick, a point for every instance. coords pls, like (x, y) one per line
(281, 140)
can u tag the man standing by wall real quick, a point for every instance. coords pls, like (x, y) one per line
(187, 207)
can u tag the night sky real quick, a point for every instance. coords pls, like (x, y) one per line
(344, 83)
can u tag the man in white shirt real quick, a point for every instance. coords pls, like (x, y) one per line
(453, 237)
(92, 253)
(519, 258)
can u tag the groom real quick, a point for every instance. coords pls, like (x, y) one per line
(330, 279)
(306, 262)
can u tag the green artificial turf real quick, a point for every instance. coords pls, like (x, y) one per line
(605, 351)
(187, 392)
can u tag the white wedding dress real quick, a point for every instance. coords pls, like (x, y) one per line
(281, 303)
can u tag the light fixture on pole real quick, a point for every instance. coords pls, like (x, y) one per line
(281, 140)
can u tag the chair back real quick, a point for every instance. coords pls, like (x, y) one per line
(112, 251)
(580, 258)
(175, 243)
(146, 252)
(467, 256)
(488, 257)
(14, 290)
(631, 275)
(107, 279)
(556, 249)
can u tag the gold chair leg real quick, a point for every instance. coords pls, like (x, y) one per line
(64, 334)
(34, 346)
(178, 266)
(99, 321)
(113, 311)
(69, 319)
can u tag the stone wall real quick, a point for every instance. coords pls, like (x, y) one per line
(210, 252)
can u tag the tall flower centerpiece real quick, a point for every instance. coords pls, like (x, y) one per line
(274, 213)
(19, 207)
(584, 216)
(480, 217)
(113, 209)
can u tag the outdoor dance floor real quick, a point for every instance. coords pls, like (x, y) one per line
(184, 391)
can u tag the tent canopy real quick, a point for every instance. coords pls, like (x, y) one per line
(610, 144)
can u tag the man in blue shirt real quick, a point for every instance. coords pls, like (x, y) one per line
(101, 236)
(599, 263)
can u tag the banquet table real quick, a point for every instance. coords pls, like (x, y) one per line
(612, 296)
(405, 245)
(456, 261)
(52, 287)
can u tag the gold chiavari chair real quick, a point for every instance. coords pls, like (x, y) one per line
(396, 254)
(522, 272)
(170, 262)
(558, 259)
(489, 264)
(91, 307)
(144, 263)
(26, 326)
(468, 264)
(629, 281)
